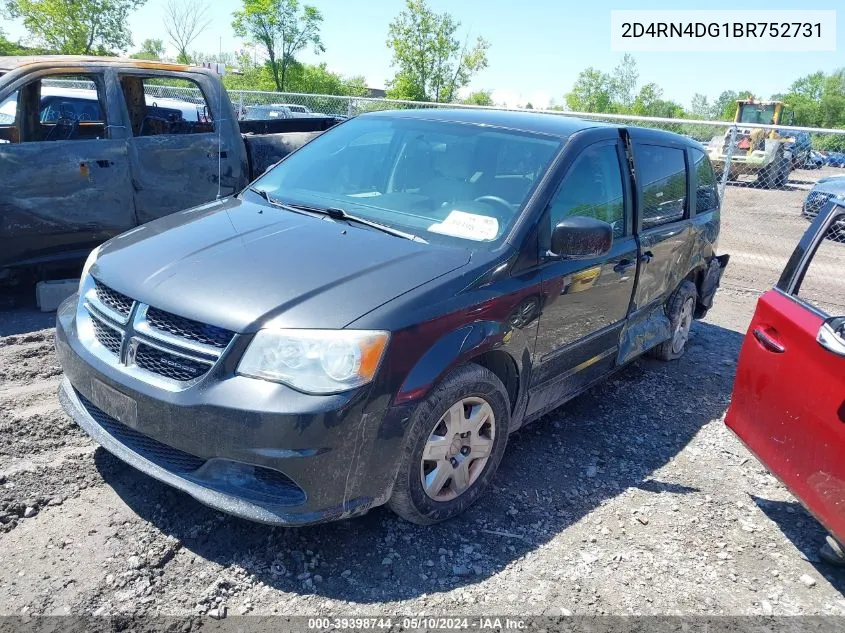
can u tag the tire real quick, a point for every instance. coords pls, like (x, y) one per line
(680, 309)
(474, 386)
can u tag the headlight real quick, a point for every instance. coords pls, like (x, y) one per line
(315, 361)
(86, 269)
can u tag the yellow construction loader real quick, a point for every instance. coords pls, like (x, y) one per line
(762, 152)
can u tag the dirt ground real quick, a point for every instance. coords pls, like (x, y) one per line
(761, 227)
(632, 499)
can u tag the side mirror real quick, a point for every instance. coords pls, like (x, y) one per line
(832, 335)
(581, 238)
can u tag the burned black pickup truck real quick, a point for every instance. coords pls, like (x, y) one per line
(91, 147)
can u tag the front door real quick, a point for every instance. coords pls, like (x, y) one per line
(179, 156)
(788, 404)
(64, 168)
(585, 301)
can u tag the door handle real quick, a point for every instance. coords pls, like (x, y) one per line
(768, 341)
(646, 257)
(828, 337)
(623, 265)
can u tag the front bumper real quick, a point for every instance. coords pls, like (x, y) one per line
(251, 448)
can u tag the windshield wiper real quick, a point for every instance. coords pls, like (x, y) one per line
(336, 213)
(281, 205)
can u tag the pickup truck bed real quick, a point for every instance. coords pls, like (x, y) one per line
(268, 142)
(91, 147)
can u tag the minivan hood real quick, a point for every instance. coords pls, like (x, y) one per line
(239, 265)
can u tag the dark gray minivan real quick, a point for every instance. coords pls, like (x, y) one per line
(370, 320)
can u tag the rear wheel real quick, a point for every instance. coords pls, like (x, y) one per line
(680, 309)
(456, 441)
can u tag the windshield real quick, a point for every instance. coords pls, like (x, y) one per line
(445, 182)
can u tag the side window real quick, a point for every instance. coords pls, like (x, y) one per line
(662, 176)
(592, 188)
(824, 285)
(55, 108)
(707, 192)
(166, 106)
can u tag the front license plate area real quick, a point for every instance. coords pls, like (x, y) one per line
(115, 404)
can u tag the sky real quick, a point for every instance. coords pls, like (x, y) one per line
(538, 47)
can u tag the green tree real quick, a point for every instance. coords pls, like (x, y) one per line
(623, 83)
(76, 27)
(592, 92)
(152, 50)
(317, 79)
(480, 97)
(431, 61)
(724, 108)
(818, 100)
(283, 29)
(8, 47)
(249, 75)
(184, 22)
(701, 107)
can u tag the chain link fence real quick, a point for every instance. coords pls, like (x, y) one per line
(773, 178)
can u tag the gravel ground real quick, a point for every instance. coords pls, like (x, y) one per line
(632, 499)
(761, 227)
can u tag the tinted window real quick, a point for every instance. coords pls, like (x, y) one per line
(661, 174)
(706, 193)
(593, 188)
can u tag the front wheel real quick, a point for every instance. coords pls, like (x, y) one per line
(456, 440)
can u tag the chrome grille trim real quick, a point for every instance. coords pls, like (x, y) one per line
(135, 330)
(142, 326)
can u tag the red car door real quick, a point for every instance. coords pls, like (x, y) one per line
(788, 403)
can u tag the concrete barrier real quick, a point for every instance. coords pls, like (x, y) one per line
(50, 294)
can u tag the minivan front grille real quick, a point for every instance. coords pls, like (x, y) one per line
(189, 329)
(815, 201)
(168, 364)
(147, 340)
(119, 303)
(109, 337)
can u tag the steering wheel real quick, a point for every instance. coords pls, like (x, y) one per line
(501, 203)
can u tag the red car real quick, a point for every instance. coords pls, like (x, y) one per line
(788, 404)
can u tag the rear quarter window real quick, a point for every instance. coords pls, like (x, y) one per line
(706, 190)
